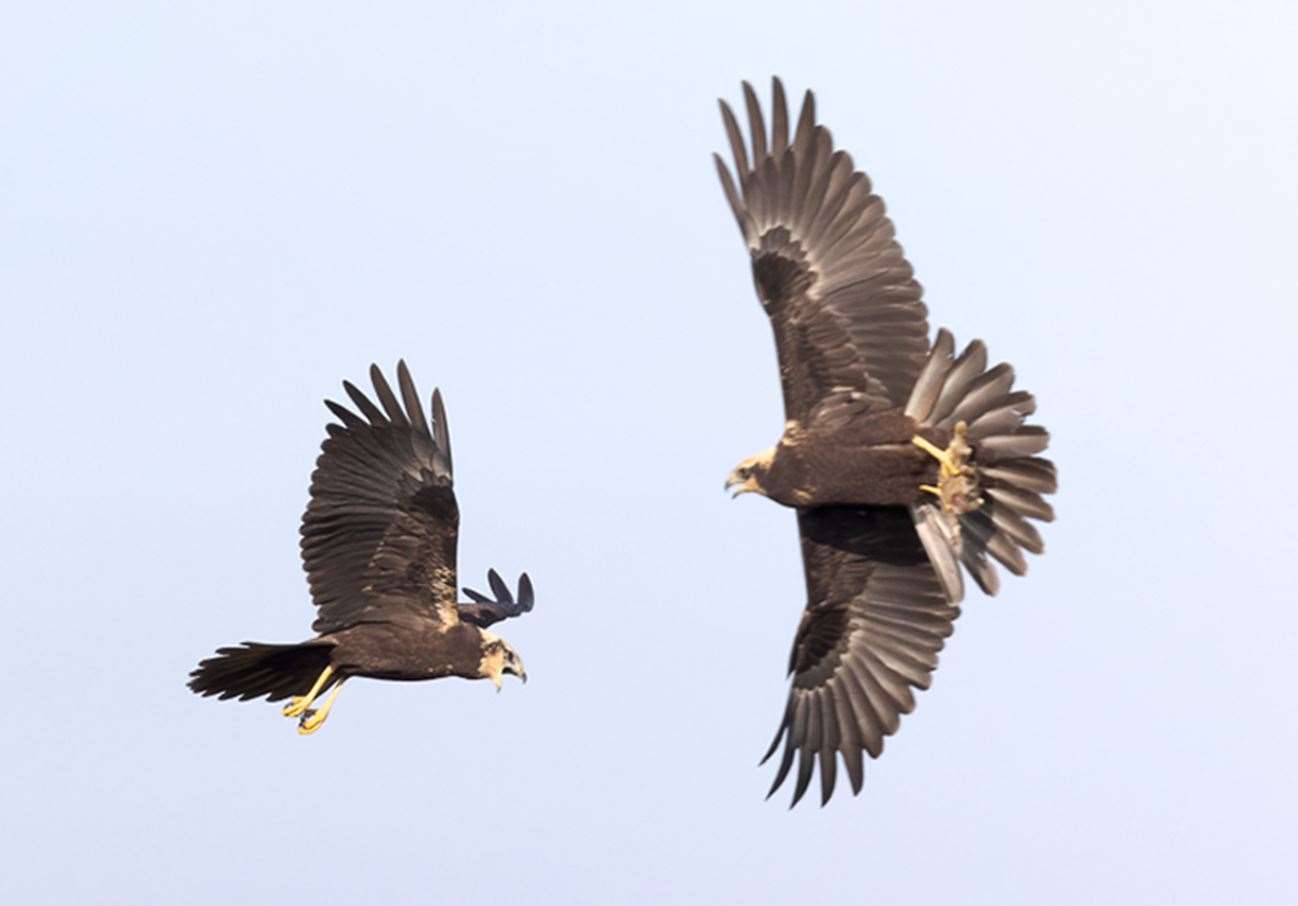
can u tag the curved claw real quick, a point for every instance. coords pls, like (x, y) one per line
(314, 718)
(310, 722)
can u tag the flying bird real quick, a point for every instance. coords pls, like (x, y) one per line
(904, 461)
(379, 542)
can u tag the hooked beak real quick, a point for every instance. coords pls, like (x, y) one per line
(742, 483)
(520, 671)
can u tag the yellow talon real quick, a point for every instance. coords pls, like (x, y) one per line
(957, 482)
(936, 452)
(299, 703)
(954, 457)
(315, 719)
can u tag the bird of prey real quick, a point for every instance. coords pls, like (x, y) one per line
(379, 547)
(904, 461)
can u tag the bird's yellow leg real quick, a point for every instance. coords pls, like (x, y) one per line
(299, 703)
(942, 456)
(954, 457)
(313, 720)
(957, 481)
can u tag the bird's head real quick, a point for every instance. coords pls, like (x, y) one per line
(747, 476)
(498, 659)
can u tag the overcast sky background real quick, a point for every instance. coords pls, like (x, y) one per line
(211, 214)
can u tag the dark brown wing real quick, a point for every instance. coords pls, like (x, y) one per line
(842, 299)
(484, 610)
(875, 619)
(379, 534)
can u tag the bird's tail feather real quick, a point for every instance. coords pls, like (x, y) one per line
(1011, 477)
(256, 669)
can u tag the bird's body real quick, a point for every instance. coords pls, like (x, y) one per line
(869, 461)
(379, 539)
(409, 650)
(904, 462)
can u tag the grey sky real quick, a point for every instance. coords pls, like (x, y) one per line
(211, 214)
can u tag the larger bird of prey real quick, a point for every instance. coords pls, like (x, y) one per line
(379, 546)
(904, 461)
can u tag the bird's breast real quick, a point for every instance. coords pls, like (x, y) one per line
(829, 472)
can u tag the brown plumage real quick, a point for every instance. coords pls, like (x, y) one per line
(904, 461)
(379, 540)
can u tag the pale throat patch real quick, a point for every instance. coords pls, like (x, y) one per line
(753, 464)
(492, 665)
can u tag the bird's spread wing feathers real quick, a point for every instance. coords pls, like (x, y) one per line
(842, 299)
(485, 610)
(876, 618)
(1014, 479)
(379, 533)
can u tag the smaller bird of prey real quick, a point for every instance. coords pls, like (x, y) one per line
(379, 546)
(905, 462)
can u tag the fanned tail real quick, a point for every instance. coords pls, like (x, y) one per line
(254, 669)
(1012, 478)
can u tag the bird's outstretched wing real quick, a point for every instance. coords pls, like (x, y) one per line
(876, 617)
(379, 533)
(842, 299)
(485, 610)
